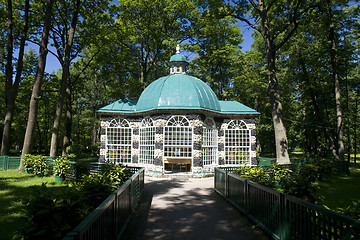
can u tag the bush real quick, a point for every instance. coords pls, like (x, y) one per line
(301, 183)
(353, 210)
(36, 164)
(280, 175)
(256, 174)
(324, 167)
(52, 214)
(81, 168)
(61, 166)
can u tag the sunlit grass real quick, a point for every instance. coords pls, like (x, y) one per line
(14, 188)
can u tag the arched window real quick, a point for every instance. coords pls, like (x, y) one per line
(118, 141)
(147, 141)
(209, 142)
(237, 143)
(178, 138)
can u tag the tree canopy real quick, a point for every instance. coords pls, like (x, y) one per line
(301, 72)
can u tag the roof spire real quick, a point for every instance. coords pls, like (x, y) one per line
(178, 62)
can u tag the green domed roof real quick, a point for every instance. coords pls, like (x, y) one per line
(178, 58)
(178, 91)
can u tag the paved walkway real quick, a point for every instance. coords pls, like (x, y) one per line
(187, 209)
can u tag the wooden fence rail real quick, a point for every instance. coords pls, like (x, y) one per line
(283, 216)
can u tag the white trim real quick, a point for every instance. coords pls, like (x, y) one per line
(237, 143)
(147, 145)
(118, 134)
(209, 143)
(178, 140)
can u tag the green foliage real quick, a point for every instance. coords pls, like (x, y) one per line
(61, 166)
(36, 164)
(280, 174)
(115, 175)
(301, 184)
(96, 187)
(324, 166)
(352, 210)
(256, 174)
(81, 168)
(52, 214)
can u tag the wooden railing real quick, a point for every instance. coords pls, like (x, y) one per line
(109, 219)
(283, 216)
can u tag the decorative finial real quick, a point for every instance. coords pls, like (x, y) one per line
(178, 49)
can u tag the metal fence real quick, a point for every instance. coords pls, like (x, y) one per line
(110, 218)
(9, 162)
(281, 215)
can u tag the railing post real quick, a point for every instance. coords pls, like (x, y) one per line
(283, 222)
(246, 195)
(6, 165)
(226, 185)
(115, 219)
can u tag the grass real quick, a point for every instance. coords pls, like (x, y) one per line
(14, 188)
(339, 191)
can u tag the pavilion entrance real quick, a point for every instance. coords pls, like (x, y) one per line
(177, 165)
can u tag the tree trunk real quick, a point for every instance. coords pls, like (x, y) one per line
(335, 68)
(33, 106)
(95, 135)
(281, 142)
(65, 76)
(9, 80)
(12, 89)
(355, 127)
(67, 135)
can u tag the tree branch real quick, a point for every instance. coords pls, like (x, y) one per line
(86, 66)
(38, 44)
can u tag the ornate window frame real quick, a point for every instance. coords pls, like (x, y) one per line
(147, 141)
(118, 141)
(237, 143)
(178, 138)
(209, 143)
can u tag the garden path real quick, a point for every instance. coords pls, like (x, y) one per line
(187, 208)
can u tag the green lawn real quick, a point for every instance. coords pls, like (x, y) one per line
(14, 187)
(339, 191)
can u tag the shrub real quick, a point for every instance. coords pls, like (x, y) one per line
(96, 187)
(256, 174)
(301, 184)
(280, 175)
(324, 166)
(36, 164)
(61, 166)
(52, 214)
(353, 210)
(81, 168)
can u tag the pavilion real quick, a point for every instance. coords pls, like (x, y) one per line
(178, 125)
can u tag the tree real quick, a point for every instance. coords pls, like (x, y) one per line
(33, 105)
(217, 46)
(339, 152)
(66, 31)
(149, 30)
(12, 86)
(276, 22)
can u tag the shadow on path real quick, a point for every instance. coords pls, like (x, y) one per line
(187, 209)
